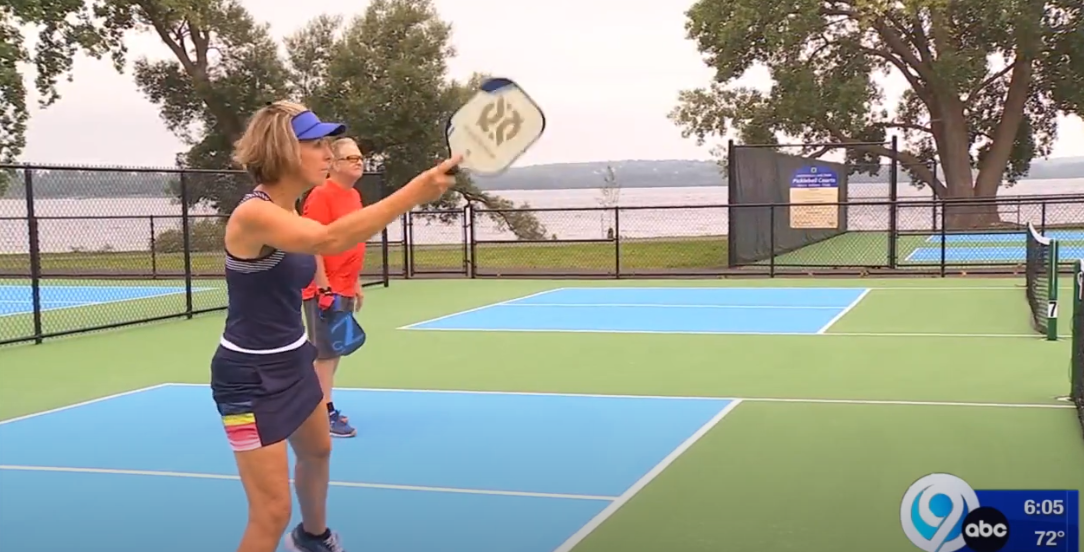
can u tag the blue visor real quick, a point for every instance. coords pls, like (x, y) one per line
(307, 126)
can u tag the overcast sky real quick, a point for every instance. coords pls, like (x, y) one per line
(605, 71)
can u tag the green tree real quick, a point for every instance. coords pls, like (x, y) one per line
(986, 80)
(64, 28)
(225, 66)
(384, 74)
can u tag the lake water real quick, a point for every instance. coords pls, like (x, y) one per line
(704, 214)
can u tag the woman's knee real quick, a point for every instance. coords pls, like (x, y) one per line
(272, 514)
(314, 449)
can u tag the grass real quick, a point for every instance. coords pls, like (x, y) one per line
(495, 258)
(650, 254)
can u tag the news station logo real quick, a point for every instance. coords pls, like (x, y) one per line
(941, 513)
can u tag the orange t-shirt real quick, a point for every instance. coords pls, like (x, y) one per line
(325, 204)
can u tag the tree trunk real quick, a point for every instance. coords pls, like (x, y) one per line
(961, 211)
(970, 207)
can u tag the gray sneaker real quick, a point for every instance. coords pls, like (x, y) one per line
(299, 541)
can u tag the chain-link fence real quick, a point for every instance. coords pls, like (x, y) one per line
(84, 249)
(902, 236)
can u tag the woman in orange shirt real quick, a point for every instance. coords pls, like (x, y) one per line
(336, 275)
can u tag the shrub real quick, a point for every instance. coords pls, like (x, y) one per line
(206, 235)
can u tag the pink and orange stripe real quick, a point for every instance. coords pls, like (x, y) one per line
(241, 431)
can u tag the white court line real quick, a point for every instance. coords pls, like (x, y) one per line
(644, 481)
(356, 485)
(660, 306)
(865, 281)
(475, 309)
(19, 302)
(77, 305)
(760, 334)
(84, 403)
(844, 312)
(685, 397)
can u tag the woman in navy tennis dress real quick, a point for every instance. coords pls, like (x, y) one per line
(262, 376)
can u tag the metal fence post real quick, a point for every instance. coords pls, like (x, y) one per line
(933, 198)
(466, 239)
(473, 243)
(34, 244)
(731, 174)
(893, 207)
(617, 242)
(154, 253)
(943, 238)
(186, 240)
(404, 246)
(408, 236)
(771, 240)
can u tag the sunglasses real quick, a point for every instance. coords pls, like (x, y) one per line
(352, 159)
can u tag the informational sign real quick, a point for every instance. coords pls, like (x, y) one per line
(810, 188)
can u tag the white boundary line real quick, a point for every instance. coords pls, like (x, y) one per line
(936, 238)
(687, 398)
(1072, 236)
(616, 505)
(744, 285)
(85, 403)
(663, 306)
(357, 485)
(475, 309)
(762, 334)
(845, 310)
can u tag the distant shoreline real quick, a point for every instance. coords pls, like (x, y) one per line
(76, 183)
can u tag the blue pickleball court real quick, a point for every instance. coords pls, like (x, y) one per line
(661, 310)
(448, 471)
(18, 299)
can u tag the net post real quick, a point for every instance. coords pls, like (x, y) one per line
(1052, 293)
(1076, 362)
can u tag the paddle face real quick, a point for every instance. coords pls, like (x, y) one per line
(346, 335)
(498, 125)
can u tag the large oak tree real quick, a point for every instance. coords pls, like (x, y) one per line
(985, 82)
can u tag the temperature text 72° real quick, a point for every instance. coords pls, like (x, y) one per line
(1049, 538)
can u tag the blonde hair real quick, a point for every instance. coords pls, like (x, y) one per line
(269, 150)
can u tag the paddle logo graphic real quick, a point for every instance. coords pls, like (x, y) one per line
(933, 512)
(507, 120)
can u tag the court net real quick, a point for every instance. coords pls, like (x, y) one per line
(1041, 272)
(1077, 363)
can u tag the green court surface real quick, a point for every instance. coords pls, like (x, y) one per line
(920, 376)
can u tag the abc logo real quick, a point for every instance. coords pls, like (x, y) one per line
(986, 530)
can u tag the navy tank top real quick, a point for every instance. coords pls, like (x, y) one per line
(264, 313)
